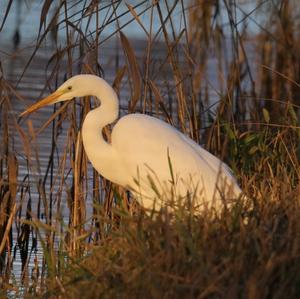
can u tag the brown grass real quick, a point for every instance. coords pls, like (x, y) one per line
(94, 239)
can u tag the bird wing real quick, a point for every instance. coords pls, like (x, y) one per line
(148, 145)
(212, 160)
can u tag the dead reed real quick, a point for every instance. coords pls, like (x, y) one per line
(225, 75)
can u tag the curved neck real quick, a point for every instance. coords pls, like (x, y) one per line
(109, 103)
(100, 153)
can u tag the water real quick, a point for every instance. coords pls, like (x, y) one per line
(26, 16)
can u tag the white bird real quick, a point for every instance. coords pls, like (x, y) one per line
(146, 155)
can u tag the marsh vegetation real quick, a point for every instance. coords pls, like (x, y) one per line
(226, 73)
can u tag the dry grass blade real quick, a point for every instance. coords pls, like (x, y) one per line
(39, 42)
(13, 175)
(135, 15)
(44, 13)
(53, 116)
(118, 78)
(5, 239)
(282, 75)
(160, 101)
(8, 7)
(134, 72)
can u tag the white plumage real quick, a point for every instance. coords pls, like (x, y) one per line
(146, 155)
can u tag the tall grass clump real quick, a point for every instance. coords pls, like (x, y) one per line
(185, 256)
(226, 73)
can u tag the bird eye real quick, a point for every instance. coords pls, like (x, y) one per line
(69, 87)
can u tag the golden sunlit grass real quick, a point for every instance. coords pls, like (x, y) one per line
(244, 252)
(95, 240)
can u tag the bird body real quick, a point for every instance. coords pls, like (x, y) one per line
(146, 155)
(160, 153)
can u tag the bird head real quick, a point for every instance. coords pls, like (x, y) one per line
(73, 87)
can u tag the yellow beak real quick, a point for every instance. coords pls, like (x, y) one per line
(44, 102)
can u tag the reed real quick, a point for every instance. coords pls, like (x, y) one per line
(226, 76)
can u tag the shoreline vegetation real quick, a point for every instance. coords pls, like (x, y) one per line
(76, 234)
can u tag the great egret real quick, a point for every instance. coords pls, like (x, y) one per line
(146, 155)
